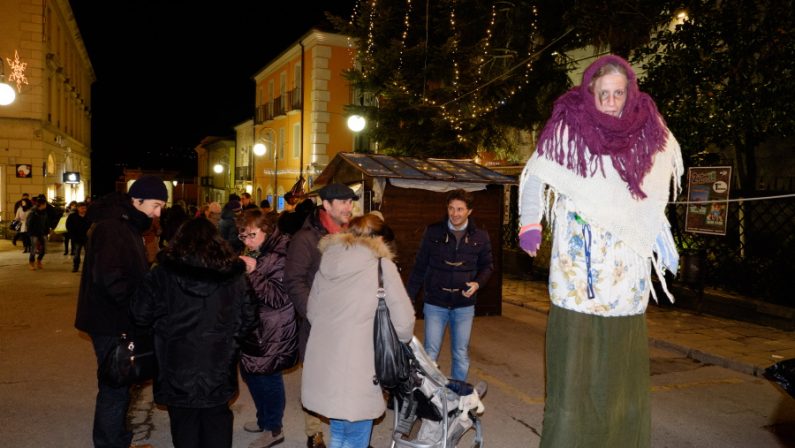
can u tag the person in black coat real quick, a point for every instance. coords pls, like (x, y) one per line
(115, 265)
(77, 225)
(38, 230)
(197, 301)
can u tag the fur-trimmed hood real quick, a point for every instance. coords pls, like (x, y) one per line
(344, 254)
(375, 244)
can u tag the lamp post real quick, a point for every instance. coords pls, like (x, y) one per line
(258, 150)
(356, 123)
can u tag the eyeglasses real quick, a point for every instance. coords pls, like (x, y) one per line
(245, 236)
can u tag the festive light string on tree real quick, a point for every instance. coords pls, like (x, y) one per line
(406, 27)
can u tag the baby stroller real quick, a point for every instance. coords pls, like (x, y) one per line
(445, 409)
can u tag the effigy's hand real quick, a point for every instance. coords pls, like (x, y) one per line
(530, 238)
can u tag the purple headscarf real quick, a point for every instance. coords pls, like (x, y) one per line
(630, 140)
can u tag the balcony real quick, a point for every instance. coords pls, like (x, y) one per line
(295, 99)
(279, 106)
(264, 113)
(242, 173)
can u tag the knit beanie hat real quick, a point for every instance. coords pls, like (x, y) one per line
(149, 187)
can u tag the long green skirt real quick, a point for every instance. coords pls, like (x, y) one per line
(597, 381)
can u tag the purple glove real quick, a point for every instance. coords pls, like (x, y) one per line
(530, 238)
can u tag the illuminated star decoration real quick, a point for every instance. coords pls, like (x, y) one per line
(18, 71)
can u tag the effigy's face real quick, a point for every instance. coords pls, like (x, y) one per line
(610, 93)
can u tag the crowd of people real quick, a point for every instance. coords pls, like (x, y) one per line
(238, 288)
(241, 287)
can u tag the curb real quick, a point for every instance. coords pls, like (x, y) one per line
(694, 354)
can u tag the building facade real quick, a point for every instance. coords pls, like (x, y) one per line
(300, 113)
(45, 134)
(216, 169)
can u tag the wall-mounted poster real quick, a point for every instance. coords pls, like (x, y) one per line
(708, 199)
(24, 170)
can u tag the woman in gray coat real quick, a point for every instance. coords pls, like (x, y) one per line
(339, 367)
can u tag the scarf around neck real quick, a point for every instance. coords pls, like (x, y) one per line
(630, 140)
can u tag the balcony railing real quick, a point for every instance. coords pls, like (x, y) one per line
(243, 173)
(279, 106)
(295, 99)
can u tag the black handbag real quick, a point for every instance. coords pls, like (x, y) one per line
(132, 361)
(392, 361)
(15, 225)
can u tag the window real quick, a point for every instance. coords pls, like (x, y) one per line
(297, 81)
(283, 89)
(281, 143)
(296, 140)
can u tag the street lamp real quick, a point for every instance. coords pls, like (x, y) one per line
(7, 94)
(356, 123)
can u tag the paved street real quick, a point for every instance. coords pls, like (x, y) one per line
(704, 392)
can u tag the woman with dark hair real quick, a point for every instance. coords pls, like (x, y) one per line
(339, 365)
(197, 301)
(273, 345)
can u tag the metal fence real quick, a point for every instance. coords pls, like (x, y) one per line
(756, 257)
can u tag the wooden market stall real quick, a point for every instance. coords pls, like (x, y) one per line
(410, 192)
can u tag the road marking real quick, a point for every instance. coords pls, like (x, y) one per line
(513, 391)
(507, 388)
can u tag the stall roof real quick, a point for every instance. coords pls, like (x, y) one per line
(396, 167)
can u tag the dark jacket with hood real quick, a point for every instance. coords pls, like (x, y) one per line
(115, 265)
(37, 222)
(303, 261)
(273, 345)
(199, 315)
(228, 225)
(444, 265)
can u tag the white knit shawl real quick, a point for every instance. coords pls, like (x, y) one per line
(606, 201)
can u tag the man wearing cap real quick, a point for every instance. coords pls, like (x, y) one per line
(303, 261)
(115, 264)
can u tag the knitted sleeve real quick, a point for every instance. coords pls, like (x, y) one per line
(531, 193)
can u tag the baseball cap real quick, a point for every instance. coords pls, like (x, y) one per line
(337, 191)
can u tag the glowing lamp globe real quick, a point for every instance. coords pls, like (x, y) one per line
(7, 94)
(356, 123)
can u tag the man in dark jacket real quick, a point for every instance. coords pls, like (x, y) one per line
(115, 265)
(38, 229)
(77, 226)
(303, 261)
(453, 262)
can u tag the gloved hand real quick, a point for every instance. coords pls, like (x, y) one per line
(530, 238)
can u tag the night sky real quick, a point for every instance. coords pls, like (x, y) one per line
(172, 72)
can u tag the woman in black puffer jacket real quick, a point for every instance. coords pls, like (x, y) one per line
(197, 300)
(273, 346)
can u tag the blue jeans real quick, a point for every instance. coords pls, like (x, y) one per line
(345, 434)
(110, 413)
(267, 391)
(460, 319)
(38, 244)
(77, 248)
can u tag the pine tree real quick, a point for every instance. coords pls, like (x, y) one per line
(452, 78)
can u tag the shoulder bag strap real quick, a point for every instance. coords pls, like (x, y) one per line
(380, 293)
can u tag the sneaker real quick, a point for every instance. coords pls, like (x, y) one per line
(252, 427)
(39, 265)
(316, 441)
(32, 266)
(74, 270)
(267, 439)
